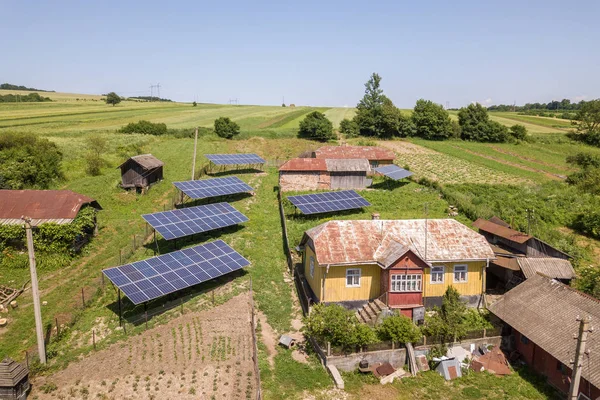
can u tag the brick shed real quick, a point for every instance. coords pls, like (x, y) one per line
(313, 173)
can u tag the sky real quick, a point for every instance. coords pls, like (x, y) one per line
(316, 53)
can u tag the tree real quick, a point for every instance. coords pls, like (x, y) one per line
(316, 126)
(226, 128)
(194, 104)
(369, 113)
(475, 125)
(518, 132)
(113, 98)
(587, 123)
(399, 328)
(587, 179)
(96, 147)
(431, 120)
(349, 128)
(393, 122)
(453, 311)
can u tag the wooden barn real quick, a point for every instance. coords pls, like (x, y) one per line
(141, 171)
(313, 173)
(377, 156)
(14, 380)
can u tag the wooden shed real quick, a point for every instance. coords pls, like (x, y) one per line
(14, 380)
(141, 171)
(314, 173)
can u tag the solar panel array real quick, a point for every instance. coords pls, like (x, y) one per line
(158, 276)
(328, 202)
(234, 159)
(205, 188)
(393, 171)
(187, 221)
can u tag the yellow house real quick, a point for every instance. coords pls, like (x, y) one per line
(407, 264)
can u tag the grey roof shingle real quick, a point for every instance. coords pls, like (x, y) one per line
(556, 268)
(546, 311)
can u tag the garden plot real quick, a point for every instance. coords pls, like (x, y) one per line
(436, 166)
(205, 355)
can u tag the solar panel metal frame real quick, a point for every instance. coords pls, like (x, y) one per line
(214, 187)
(394, 172)
(235, 159)
(328, 202)
(188, 221)
(155, 277)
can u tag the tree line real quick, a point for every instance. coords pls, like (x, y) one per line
(9, 86)
(554, 105)
(28, 98)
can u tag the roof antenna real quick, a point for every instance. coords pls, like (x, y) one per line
(426, 205)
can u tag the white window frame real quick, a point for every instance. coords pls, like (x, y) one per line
(432, 274)
(406, 283)
(465, 272)
(351, 272)
(311, 261)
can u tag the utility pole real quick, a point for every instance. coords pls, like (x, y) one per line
(194, 159)
(151, 92)
(158, 87)
(584, 329)
(529, 217)
(426, 206)
(39, 330)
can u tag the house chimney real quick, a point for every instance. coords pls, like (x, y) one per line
(375, 216)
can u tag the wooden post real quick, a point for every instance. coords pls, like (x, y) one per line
(120, 257)
(27, 358)
(57, 327)
(133, 242)
(94, 338)
(584, 329)
(102, 277)
(181, 300)
(120, 314)
(328, 349)
(146, 314)
(82, 299)
(213, 296)
(39, 328)
(194, 159)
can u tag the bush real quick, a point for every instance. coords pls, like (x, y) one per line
(399, 328)
(349, 128)
(93, 164)
(226, 128)
(588, 223)
(518, 132)
(145, 127)
(431, 121)
(316, 126)
(475, 125)
(27, 161)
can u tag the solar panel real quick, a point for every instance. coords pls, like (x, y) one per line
(234, 159)
(393, 171)
(158, 276)
(205, 188)
(329, 201)
(187, 221)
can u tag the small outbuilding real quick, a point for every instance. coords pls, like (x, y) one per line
(377, 156)
(139, 172)
(449, 368)
(14, 380)
(315, 173)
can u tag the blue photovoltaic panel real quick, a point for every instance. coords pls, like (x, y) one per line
(234, 159)
(205, 188)
(187, 221)
(394, 172)
(329, 201)
(157, 276)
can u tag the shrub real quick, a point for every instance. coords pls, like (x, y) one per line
(145, 127)
(399, 328)
(27, 161)
(475, 125)
(194, 104)
(518, 132)
(349, 128)
(226, 128)
(431, 120)
(316, 126)
(588, 223)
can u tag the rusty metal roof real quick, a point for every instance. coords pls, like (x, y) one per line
(11, 372)
(507, 262)
(148, 161)
(546, 311)
(499, 221)
(371, 153)
(501, 231)
(57, 206)
(369, 241)
(304, 164)
(556, 268)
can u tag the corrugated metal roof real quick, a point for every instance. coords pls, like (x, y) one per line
(11, 372)
(502, 231)
(546, 311)
(148, 161)
(498, 221)
(507, 262)
(371, 153)
(347, 165)
(556, 268)
(304, 164)
(339, 242)
(42, 206)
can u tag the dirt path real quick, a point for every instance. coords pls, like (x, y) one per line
(198, 355)
(268, 337)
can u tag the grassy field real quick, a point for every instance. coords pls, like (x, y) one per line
(270, 132)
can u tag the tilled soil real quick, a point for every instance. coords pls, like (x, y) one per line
(205, 355)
